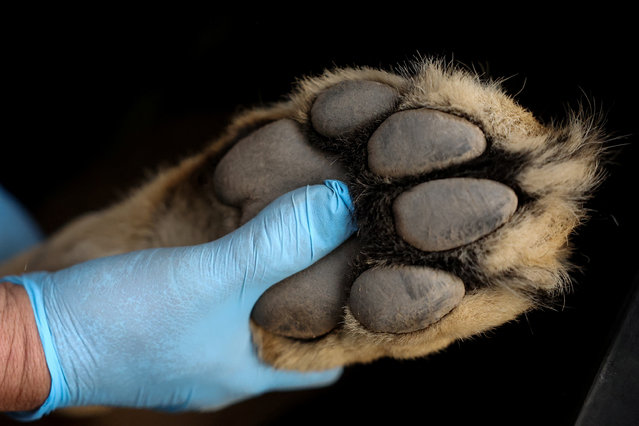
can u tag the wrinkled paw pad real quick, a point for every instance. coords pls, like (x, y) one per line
(404, 299)
(444, 214)
(271, 161)
(309, 303)
(430, 214)
(350, 104)
(419, 141)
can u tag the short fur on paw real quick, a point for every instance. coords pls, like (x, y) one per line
(464, 203)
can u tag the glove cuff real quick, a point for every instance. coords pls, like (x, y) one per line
(58, 394)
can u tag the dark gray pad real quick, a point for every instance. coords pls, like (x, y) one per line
(419, 141)
(347, 105)
(404, 299)
(444, 214)
(311, 302)
(269, 162)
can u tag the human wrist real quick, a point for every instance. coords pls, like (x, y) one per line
(24, 377)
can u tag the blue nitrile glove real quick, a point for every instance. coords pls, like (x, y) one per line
(18, 231)
(168, 328)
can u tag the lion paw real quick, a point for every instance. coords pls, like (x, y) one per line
(464, 204)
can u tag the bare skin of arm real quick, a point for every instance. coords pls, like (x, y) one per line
(24, 376)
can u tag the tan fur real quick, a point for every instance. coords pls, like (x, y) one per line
(533, 247)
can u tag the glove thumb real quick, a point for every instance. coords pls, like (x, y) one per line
(290, 234)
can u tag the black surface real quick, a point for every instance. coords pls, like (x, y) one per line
(94, 99)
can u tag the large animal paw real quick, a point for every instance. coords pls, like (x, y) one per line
(464, 203)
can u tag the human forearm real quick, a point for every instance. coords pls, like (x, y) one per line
(24, 376)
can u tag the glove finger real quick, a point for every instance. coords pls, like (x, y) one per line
(289, 235)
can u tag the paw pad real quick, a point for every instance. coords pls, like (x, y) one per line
(310, 303)
(347, 105)
(422, 140)
(445, 214)
(267, 163)
(404, 299)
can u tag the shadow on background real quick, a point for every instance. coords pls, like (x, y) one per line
(95, 103)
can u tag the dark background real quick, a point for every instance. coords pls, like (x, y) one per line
(95, 100)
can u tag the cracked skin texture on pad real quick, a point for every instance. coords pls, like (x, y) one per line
(464, 202)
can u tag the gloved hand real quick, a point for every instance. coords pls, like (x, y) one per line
(17, 230)
(168, 328)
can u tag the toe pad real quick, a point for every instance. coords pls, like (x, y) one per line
(448, 213)
(347, 105)
(404, 299)
(419, 141)
(269, 162)
(309, 303)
